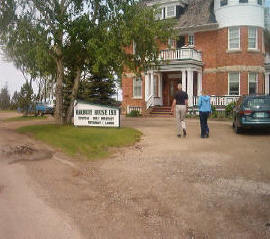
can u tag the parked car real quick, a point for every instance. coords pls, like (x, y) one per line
(252, 112)
(44, 108)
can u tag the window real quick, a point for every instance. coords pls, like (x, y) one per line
(252, 83)
(191, 39)
(243, 1)
(137, 88)
(223, 3)
(234, 86)
(171, 43)
(259, 2)
(252, 38)
(170, 11)
(234, 38)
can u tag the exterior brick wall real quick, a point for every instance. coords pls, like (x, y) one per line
(218, 62)
(128, 100)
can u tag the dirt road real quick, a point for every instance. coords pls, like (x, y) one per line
(163, 187)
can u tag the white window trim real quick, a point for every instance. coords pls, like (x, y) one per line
(238, 82)
(256, 81)
(239, 31)
(256, 47)
(133, 47)
(166, 9)
(133, 89)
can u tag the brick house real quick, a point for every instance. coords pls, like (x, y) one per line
(220, 48)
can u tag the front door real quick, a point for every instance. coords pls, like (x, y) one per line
(172, 89)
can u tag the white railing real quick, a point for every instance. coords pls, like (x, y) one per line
(150, 102)
(218, 101)
(134, 108)
(180, 54)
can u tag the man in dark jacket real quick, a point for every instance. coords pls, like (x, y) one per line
(180, 106)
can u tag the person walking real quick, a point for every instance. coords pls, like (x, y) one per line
(179, 108)
(204, 110)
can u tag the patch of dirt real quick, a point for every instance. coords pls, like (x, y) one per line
(163, 187)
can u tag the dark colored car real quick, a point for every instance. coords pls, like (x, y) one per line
(252, 112)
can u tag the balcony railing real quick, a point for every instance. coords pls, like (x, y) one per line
(180, 54)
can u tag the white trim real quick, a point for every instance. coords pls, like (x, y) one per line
(146, 79)
(166, 11)
(256, 40)
(267, 83)
(239, 93)
(239, 34)
(256, 81)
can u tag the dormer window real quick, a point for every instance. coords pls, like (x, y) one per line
(243, 1)
(223, 3)
(259, 2)
(170, 11)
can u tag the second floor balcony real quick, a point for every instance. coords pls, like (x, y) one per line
(180, 54)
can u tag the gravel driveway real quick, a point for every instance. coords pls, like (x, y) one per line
(163, 187)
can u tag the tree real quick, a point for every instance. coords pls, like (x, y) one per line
(4, 99)
(25, 98)
(66, 39)
(98, 90)
(14, 103)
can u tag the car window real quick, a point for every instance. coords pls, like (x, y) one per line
(257, 103)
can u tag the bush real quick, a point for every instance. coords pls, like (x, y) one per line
(134, 113)
(229, 109)
(214, 112)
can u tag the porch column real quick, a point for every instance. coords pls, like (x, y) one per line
(152, 83)
(190, 87)
(160, 85)
(199, 83)
(146, 90)
(267, 83)
(184, 87)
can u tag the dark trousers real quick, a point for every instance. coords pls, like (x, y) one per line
(204, 125)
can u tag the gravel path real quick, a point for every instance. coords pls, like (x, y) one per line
(163, 187)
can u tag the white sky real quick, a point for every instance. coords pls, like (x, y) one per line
(15, 79)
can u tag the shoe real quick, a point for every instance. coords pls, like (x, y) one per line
(179, 135)
(184, 132)
(203, 136)
(207, 135)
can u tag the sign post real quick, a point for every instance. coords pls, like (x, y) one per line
(88, 114)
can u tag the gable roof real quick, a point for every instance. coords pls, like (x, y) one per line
(194, 13)
(197, 13)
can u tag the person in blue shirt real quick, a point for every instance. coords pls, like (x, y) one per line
(204, 110)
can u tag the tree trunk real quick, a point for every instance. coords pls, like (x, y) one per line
(59, 91)
(73, 96)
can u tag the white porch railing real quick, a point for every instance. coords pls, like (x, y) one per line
(149, 102)
(180, 54)
(218, 101)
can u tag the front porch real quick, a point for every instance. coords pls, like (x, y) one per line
(161, 86)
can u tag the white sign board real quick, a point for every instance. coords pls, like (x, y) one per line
(88, 114)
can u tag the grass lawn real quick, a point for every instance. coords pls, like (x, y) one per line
(87, 141)
(25, 118)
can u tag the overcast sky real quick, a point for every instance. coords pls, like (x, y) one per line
(14, 78)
